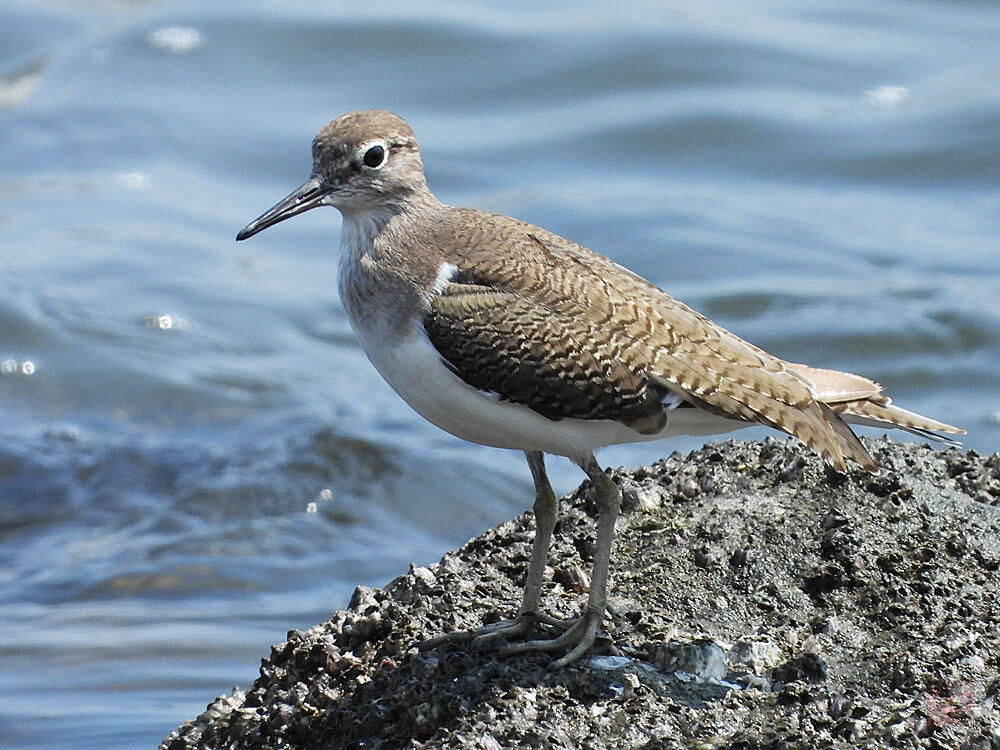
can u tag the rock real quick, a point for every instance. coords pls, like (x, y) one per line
(817, 609)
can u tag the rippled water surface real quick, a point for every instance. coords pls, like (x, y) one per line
(821, 178)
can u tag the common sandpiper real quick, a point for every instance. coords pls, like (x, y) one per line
(508, 335)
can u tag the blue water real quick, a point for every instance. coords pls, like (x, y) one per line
(822, 178)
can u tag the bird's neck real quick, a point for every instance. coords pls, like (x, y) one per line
(361, 228)
(363, 225)
(379, 261)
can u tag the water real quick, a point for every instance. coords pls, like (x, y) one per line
(821, 178)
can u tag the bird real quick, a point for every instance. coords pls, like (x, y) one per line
(507, 335)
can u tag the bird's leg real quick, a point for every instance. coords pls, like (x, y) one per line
(546, 513)
(579, 634)
(583, 631)
(545, 509)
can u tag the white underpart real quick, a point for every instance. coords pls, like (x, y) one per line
(416, 372)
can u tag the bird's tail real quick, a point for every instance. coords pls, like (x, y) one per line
(889, 415)
(848, 398)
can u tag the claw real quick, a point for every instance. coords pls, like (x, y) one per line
(579, 633)
(519, 626)
(515, 628)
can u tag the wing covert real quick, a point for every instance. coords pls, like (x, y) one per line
(505, 343)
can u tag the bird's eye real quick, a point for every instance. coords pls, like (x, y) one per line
(375, 157)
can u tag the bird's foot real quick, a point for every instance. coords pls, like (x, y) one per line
(520, 626)
(578, 635)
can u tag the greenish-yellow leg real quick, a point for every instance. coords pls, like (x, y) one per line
(581, 633)
(546, 513)
(545, 509)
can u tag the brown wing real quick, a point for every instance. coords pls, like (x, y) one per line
(505, 343)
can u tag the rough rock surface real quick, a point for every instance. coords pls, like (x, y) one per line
(759, 600)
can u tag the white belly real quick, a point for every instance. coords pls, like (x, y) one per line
(414, 369)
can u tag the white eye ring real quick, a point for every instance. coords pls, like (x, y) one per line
(374, 155)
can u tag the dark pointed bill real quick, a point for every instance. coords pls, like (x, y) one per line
(309, 195)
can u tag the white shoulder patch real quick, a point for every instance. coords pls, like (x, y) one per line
(446, 272)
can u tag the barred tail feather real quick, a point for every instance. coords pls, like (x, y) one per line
(889, 415)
